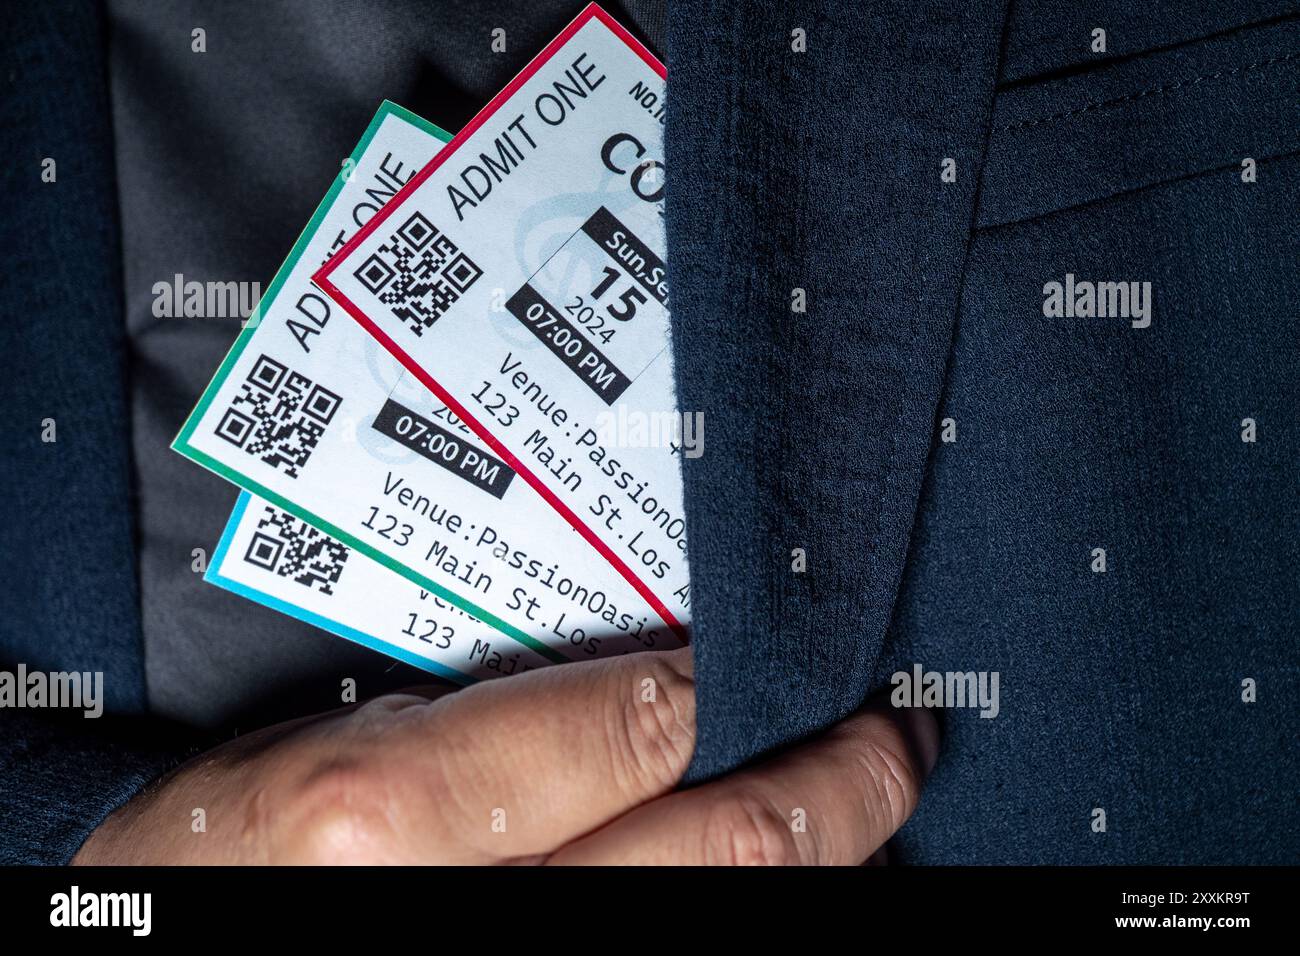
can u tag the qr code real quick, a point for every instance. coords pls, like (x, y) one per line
(419, 273)
(292, 548)
(278, 416)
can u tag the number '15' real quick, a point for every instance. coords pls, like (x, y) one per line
(630, 297)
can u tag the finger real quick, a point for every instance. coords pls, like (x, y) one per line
(535, 761)
(834, 800)
(422, 693)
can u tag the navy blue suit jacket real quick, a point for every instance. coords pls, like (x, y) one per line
(948, 458)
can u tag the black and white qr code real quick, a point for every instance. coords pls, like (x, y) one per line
(278, 416)
(292, 548)
(419, 273)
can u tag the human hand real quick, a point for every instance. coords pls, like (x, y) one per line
(571, 764)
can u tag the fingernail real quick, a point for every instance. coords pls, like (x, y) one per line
(922, 729)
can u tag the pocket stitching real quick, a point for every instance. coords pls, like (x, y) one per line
(1151, 91)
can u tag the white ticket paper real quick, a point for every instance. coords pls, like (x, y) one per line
(308, 413)
(520, 276)
(275, 558)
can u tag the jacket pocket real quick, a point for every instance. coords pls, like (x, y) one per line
(1154, 118)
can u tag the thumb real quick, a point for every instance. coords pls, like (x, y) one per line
(832, 800)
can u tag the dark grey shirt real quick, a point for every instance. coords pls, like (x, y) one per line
(221, 158)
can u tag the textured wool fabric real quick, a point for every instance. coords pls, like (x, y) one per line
(66, 544)
(1049, 37)
(67, 558)
(1120, 691)
(816, 171)
(64, 774)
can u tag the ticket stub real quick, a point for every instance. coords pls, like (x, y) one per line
(310, 414)
(552, 341)
(275, 558)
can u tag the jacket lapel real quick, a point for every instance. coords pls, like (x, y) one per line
(816, 258)
(68, 593)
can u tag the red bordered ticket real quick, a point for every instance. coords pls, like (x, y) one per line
(521, 277)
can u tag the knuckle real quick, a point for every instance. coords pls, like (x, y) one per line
(656, 736)
(339, 813)
(748, 830)
(385, 710)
